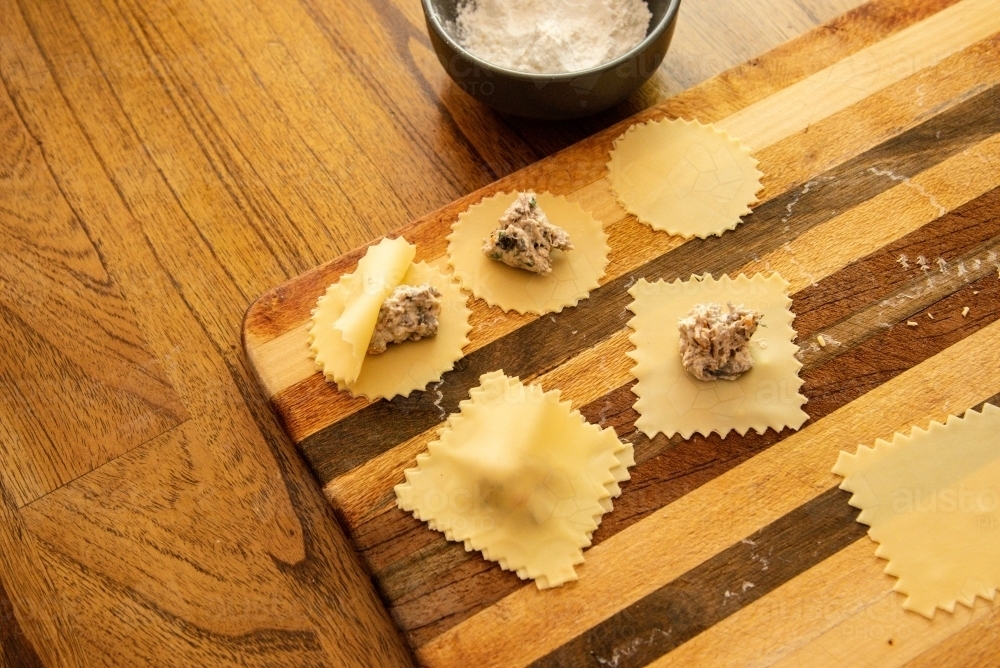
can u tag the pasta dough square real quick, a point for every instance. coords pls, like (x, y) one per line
(671, 401)
(932, 502)
(520, 477)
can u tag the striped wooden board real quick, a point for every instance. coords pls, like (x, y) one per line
(879, 135)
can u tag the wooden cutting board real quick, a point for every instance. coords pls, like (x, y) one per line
(878, 135)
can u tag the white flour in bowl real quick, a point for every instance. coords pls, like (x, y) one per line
(550, 36)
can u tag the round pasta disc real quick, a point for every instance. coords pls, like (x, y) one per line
(403, 367)
(683, 177)
(574, 273)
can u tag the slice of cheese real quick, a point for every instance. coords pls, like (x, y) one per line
(932, 500)
(378, 273)
(345, 316)
(520, 477)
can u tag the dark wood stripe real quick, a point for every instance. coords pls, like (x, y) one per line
(411, 563)
(547, 342)
(881, 274)
(717, 588)
(995, 400)
(15, 649)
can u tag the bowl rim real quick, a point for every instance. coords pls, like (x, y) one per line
(668, 17)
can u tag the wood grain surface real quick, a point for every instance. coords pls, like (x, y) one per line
(162, 164)
(879, 137)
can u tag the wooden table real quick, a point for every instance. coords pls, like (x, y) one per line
(163, 164)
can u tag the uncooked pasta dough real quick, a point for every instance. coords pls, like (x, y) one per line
(346, 315)
(683, 177)
(932, 500)
(671, 401)
(574, 272)
(520, 477)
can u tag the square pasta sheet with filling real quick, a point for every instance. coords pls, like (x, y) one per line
(671, 401)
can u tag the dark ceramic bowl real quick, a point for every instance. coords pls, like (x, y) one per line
(550, 96)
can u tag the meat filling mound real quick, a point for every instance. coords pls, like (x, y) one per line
(525, 238)
(410, 313)
(716, 345)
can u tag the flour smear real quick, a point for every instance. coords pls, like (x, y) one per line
(551, 36)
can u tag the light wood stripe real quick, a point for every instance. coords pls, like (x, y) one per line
(857, 76)
(827, 248)
(911, 634)
(679, 536)
(718, 587)
(285, 354)
(846, 598)
(286, 361)
(908, 102)
(974, 645)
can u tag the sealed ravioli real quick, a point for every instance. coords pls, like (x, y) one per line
(672, 401)
(572, 268)
(519, 476)
(683, 177)
(346, 316)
